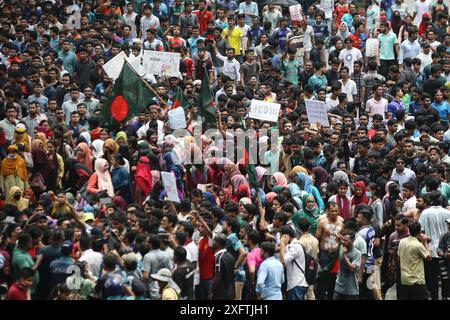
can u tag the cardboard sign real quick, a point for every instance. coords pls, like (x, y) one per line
(296, 13)
(161, 63)
(177, 118)
(263, 110)
(114, 66)
(170, 186)
(317, 112)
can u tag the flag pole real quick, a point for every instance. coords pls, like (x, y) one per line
(147, 85)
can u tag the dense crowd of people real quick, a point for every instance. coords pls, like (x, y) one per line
(346, 211)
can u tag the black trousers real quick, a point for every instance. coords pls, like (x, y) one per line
(414, 292)
(432, 271)
(384, 66)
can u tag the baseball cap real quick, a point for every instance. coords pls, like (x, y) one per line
(88, 216)
(59, 61)
(66, 247)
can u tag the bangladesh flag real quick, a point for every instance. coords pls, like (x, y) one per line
(207, 110)
(180, 100)
(129, 96)
(250, 166)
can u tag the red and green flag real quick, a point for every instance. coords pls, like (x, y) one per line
(206, 108)
(250, 166)
(180, 100)
(129, 96)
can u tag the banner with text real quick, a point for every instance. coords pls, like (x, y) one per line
(317, 112)
(161, 63)
(263, 110)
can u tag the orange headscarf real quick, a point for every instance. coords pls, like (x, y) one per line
(41, 136)
(16, 166)
(87, 159)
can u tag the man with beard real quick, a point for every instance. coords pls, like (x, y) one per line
(409, 153)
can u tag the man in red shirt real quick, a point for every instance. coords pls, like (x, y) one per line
(203, 16)
(21, 290)
(205, 257)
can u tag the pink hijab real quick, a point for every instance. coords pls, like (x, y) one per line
(280, 179)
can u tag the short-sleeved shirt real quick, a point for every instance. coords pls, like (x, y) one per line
(347, 279)
(233, 39)
(387, 42)
(233, 245)
(16, 293)
(368, 234)
(412, 253)
(349, 57)
(254, 259)
(22, 259)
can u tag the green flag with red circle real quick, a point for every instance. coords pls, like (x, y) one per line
(129, 96)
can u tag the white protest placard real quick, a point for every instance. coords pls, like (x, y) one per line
(170, 186)
(114, 66)
(263, 110)
(296, 12)
(161, 63)
(135, 63)
(177, 118)
(317, 112)
(202, 187)
(372, 47)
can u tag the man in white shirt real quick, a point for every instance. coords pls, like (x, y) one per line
(92, 258)
(148, 21)
(249, 9)
(402, 174)
(377, 104)
(421, 7)
(409, 198)
(349, 55)
(231, 67)
(292, 256)
(348, 85)
(141, 133)
(425, 55)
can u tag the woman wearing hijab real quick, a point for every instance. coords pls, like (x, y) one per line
(309, 211)
(121, 137)
(279, 179)
(231, 169)
(217, 171)
(15, 198)
(76, 175)
(143, 180)
(55, 160)
(296, 194)
(237, 181)
(307, 186)
(41, 163)
(178, 170)
(360, 195)
(13, 170)
(85, 137)
(41, 136)
(344, 31)
(208, 196)
(97, 148)
(121, 178)
(21, 136)
(110, 148)
(396, 22)
(100, 181)
(423, 24)
(84, 155)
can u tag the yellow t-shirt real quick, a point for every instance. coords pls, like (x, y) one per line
(233, 39)
(412, 253)
(169, 294)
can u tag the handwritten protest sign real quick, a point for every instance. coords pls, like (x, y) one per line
(296, 12)
(177, 118)
(317, 112)
(114, 66)
(170, 186)
(161, 63)
(262, 110)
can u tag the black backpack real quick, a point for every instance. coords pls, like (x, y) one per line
(311, 267)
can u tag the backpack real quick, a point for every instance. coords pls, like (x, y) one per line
(310, 271)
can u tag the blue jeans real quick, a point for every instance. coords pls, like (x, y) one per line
(297, 293)
(202, 289)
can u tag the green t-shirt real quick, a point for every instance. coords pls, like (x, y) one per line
(387, 42)
(22, 259)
